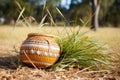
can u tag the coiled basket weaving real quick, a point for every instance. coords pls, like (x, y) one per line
(39, 50)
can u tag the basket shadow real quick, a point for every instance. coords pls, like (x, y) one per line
(11, 62)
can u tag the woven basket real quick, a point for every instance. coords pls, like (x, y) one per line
(39, 50)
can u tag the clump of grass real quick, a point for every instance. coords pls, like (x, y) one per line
(81, 51)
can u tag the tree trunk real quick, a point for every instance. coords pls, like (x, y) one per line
(95, 12)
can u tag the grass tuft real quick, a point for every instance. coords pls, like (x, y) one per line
(81, 51)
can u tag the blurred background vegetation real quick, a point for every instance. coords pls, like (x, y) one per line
(73, 10)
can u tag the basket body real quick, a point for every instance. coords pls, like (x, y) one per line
(39, 50)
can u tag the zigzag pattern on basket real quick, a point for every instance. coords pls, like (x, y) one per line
(43, 53)
(40, 47)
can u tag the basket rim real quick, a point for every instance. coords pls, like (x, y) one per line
(40, 34)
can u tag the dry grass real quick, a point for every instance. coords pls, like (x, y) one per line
(10, 37)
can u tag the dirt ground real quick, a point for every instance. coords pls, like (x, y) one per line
(11, 67)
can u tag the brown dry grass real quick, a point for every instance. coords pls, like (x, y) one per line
(10, 38)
